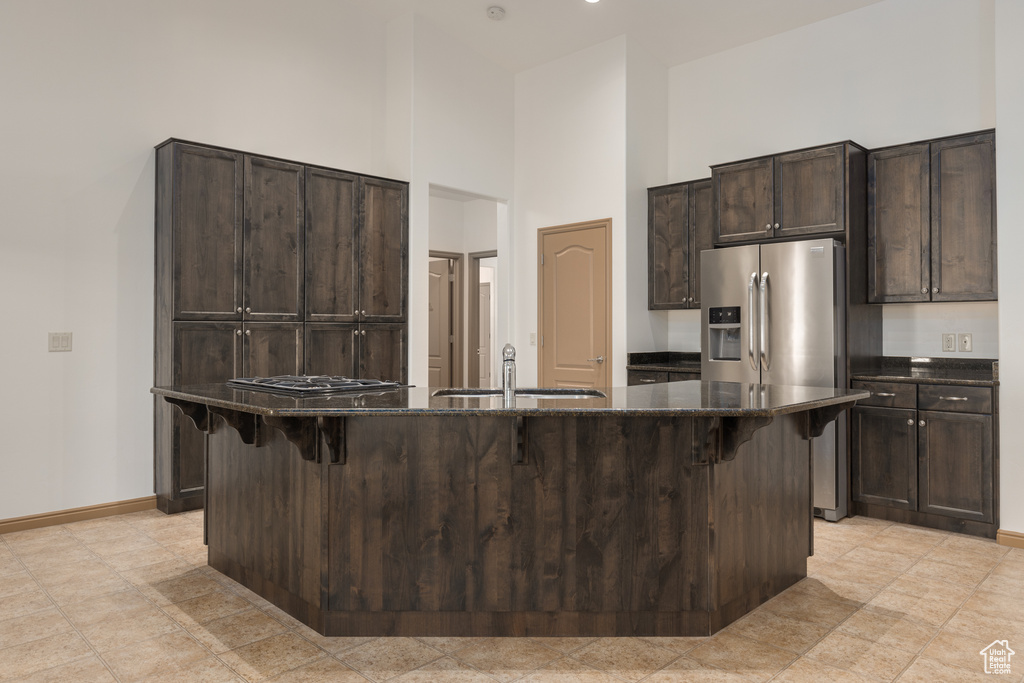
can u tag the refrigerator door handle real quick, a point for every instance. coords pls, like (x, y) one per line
(764, 320)
(752, 323)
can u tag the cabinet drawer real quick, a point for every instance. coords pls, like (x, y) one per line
(888, 394)
(954, 399)
(682, 376)
(645, 377)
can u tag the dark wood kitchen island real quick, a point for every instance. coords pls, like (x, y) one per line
(669, 509)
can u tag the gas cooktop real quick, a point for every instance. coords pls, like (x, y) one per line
(313, 385)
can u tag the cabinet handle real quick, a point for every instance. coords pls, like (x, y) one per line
(648, 381)
(355, 333)
(363, 333)
(238, 310)
(248, 309)
(952, 398)
(238, 333)
(884, 394)
(355, 312)
(935, 290)
(776, 226)
(248, 332)
(363, 312)
(924, 290)
(910, 421)
(921, 423)
(768, 227)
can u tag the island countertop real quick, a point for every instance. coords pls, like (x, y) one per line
(692, 398)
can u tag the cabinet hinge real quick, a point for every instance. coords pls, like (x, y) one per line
(542, 340)
(451, 338)
(451, 277)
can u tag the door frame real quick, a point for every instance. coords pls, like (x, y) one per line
(458, 361)
(605, 223)
(473, 370)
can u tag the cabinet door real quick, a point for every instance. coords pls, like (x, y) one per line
(668, 264)
(701, 231)
(899, 266)
(204, 353)
(963, 221)
(271, 349)
(743, 201)
(382, 352)
(206, 201)
(884, 462)
(634, 377)
(274, 233)
(383, 250)
(332, 213)
(331, 349)
(809, 191)
(955, 464)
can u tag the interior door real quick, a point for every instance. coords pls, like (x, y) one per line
(439, 344)
(575, 305)
(484, 334)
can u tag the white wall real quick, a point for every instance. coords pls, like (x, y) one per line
(570, 166)
(1009, 68)
(462, 139)
(893, 72)
(88, 90)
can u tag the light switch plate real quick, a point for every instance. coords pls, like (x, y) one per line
(533, 339)
(948, 342)
(60, 341)
(965, 343)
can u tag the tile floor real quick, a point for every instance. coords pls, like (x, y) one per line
(130, 598)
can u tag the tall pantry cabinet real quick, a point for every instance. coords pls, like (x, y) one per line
(268, 267)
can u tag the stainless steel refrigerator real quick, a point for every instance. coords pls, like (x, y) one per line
(776, 314)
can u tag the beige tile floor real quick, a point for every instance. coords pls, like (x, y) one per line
(130, 598)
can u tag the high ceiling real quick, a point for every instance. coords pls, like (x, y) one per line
(536, 31)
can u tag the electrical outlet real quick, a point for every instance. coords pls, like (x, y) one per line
(965, 343)
(59, 341)
(948, 342)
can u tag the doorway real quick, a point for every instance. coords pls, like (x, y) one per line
(444, 356)
(574, 304)
(483, 266)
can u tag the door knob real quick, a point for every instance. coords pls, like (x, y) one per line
(599, 359)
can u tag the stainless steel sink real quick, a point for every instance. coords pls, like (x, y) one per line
(552, 393)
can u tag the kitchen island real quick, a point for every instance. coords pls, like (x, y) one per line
(667, 510)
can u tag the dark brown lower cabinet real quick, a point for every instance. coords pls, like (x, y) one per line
(657, 376)
(917, 465)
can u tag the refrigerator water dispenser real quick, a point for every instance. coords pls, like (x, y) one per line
(724, 333)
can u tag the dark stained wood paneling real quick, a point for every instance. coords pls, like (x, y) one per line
(330, 349)
(382, 351)
(963, 218)
(743, 201)
(272, 349)
(955, 464)
(809, 191)
(668, 244)
(273, 275)
(206, 228)
(332, 214)
(383, 251)
(899, 268)
(701, 233)
(884, 462)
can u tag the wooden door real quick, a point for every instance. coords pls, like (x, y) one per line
(439, 341)
(809, 191)
(668, 267)
(204, 353)
(271, 349)
(955, 464)
(382, 352)
(963, 220)
(206, 215)
(884, 458)
(273, 276)
(483, 350)
(899, 265)
(575, 305)
(743, 201)
(383, 251)
(332, 213)
(330, 349)
(701, 234)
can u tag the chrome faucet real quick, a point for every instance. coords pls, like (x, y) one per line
(508, 373)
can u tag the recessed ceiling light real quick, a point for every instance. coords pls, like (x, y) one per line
(593, 1)
(496, 13)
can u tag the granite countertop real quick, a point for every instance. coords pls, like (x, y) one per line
(977, 372)
(664, 361)
(692, 398)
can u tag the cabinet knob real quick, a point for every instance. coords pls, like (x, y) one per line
(248, 332)
(910, 421)
(921, 423)
(238, 333)
(355, 333)
(238, 310)
(690, 299)
(935, 290)
(363, 333)
(776, 226)
(768, 227)
(355, 312)
(248, 309)
(362, 312)
(924, 290)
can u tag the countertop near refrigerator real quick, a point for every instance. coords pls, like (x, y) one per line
(976, 372)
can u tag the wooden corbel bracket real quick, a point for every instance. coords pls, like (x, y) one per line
(196, 412)
(716, 439)
(301, 432)
(246, 424)
(819, 418)
(333, 430)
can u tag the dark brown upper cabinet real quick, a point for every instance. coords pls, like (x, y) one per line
(383, 251)
(678, 229)
(332, 219)
(785, 196)
(932, 221)
(272, 242)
